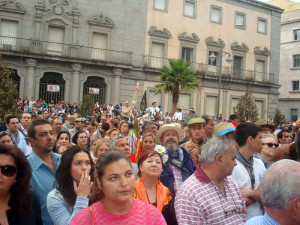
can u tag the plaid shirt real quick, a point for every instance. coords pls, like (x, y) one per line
(199, 201)
(177, 177)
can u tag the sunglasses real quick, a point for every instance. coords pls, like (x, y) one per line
(270, 145)
(8, 170)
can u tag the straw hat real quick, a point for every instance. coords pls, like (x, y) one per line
(223, 128)
(80, 119)
(297, 125)
(166, 127)
(196, 121)
(263, 123)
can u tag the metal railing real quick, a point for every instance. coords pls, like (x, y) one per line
(201, 69)
(12, 44)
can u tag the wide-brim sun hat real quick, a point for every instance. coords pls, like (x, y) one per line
(167, 127)
(223, 128)
(263, 123)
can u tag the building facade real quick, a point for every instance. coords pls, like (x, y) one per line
(63, 49)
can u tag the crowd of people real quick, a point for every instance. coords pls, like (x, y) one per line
(120, 166)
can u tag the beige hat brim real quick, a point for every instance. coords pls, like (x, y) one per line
(164, 128)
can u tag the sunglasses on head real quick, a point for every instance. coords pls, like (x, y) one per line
(8, 170)
(270, 145)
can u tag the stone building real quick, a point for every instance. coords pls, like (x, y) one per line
(106, 47)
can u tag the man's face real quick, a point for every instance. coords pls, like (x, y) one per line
(169, 137)
(257, 143)
(266, 130)
(43, 140)
(124, 128)
(197, 131)
(228, 161)
(92, 118)
(122, 145)
(25, 119)
(57, 125)
(286, 138)
(154, 105)
(13, 125)
(45, 114)
(209, 128)
(78, 125)
(152, 129)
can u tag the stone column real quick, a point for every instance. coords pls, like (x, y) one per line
(225, 104)
(116, 86)
(30, 80)
(75, 90)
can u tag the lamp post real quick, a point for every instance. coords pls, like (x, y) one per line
(213, 57)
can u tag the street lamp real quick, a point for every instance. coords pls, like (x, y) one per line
(212, 58)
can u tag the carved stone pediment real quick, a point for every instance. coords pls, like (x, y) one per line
(12, 6)
(258, 51)
(160, 33)
(210, 41)
(184, 37)
(242, 48)
(101, 21)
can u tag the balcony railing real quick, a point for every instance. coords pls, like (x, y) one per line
(152, 62)
(11, 44)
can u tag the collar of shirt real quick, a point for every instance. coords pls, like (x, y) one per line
(200, 175)
(37, 161)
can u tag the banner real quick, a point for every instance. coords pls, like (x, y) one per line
(94, 91)
(143, 105)
(53, 88)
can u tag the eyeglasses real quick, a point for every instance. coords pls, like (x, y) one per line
(270, 145)
(8, 170)
(103, 149)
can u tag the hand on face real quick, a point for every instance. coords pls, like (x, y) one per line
(84, 187)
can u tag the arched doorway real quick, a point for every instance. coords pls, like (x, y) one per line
(52, 87)
(16, 79)
(95, 86)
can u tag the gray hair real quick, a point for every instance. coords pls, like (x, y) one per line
(215, 146)
(70, 118)
(280, 184)
(149, 123)
(265, 136)
(112, 142)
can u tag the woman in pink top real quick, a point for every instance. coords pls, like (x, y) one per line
(115, 184)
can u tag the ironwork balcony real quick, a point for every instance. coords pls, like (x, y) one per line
(34, 46)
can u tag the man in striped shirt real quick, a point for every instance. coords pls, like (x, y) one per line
(209, 196)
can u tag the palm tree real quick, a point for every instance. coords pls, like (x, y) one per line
(175, 78)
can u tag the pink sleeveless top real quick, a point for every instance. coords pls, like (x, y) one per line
(140, 213)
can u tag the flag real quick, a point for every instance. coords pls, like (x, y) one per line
(143, 105)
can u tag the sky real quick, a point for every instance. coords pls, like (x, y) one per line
(297, 1)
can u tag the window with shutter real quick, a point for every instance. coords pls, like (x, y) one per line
(8, 31)
(262, 26)
(187, 54)
(160, 4)
(216, 14)
(99, 46)
(234, 102)
(55, 40)
(189, 8)
(296, 61)
(157, 53)
(240, 20)
(260, 70)
(260, 107)
(211, 105)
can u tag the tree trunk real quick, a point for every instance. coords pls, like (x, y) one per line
(175, 97)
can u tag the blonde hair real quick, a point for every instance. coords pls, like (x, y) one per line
(148, 135)
(103, 140)
(108, 133)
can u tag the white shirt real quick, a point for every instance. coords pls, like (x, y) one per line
(242, 178)
(153, 110)
(177, 116)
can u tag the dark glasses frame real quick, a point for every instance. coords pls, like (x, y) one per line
(270, 145)
(8, 170)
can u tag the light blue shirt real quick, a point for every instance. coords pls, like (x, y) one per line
(42, 181)
(262, 220)
(58, 209)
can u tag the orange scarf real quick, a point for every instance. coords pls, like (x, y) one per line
(163, 195)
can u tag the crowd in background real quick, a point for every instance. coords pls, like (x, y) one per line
(124, 166)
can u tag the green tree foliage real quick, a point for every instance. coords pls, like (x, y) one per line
(8, 92)
(86, 106)
(279, 118)
(175, 78)
(246, 108)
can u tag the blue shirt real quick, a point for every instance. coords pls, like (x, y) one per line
(42, 181)
(262, 220)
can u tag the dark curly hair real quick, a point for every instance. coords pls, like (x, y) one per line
(75, 137)
(64, 181)
(20, 191)
(58, 136)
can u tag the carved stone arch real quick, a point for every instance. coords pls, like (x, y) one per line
(183, 37)
(54, 21)
(101, 21)
(165, 33)
(265, 52)
(210, 41)
(242, 48)
(12, 6)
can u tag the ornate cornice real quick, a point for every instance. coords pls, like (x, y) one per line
(183, 37)
(160, 33)
(12, 6)
(210, 41)
(101, 21)
(242, 48)
(265, 52)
